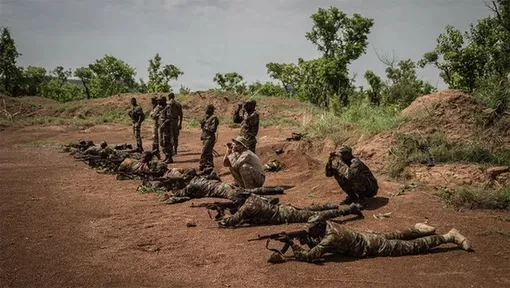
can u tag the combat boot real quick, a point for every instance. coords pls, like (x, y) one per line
(348, 200)
(455, 237)
(168, 160)
(355, 209)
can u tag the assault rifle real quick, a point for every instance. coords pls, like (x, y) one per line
(219, 207)
(301, 235)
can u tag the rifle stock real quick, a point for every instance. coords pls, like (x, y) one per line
(219, 207)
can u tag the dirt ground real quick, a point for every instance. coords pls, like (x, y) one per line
(65, 225)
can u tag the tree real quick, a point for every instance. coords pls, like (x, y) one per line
(85, 75)
(341, 39)
(266, 89)
(34, 79)
(338, 36)
(404, 85)
(467, 59)
(286, 73)
(10, 74)
(59, 88)
(111, 76)
(376, 86)
(231, 82)
(159, 77)
(142, 86)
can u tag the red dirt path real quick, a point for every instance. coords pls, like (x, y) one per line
(64, 225)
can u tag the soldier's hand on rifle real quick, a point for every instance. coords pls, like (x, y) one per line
(285, 239)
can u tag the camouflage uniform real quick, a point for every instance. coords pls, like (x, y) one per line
(200, 187)
(341, 240)
(136, 167)
(356, 180)
(137, 116)
(155, 130)
(258, 210)
(165, 130)
(74, 148)
(176, 110)
(209, 126)
(247, 170)
(249, 127)
(98, 151)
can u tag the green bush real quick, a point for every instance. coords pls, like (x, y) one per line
(476, 198)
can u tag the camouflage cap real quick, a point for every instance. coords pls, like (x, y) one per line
(243, 141)
(345, 149)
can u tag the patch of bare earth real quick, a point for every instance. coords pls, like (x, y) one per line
(64, 225)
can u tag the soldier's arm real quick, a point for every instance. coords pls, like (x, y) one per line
(330, 170)
(237, 118)
(311, 255)
(349, 172)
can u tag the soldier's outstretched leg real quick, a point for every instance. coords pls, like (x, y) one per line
(266, 190)
(419, 230)
(380, 246)
(320, 216)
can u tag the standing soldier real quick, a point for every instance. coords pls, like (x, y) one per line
(209, 126)
(137, 116)
(155, 130)
(165, 129)
(249, 120)
(177, 119)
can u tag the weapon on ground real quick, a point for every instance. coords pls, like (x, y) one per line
(426, 151)
(219, 207)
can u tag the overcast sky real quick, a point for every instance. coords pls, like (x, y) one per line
(203, 37)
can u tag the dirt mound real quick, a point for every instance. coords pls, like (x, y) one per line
(22, 107)
(451, 112)
(118, 106)
(458, 115)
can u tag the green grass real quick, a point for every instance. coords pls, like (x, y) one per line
(406, 152)
(371, 120)
(278, 121)
(476, 198)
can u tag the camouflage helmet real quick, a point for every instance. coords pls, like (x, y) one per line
(103, 144)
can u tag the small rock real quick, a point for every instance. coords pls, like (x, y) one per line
(191, 223)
